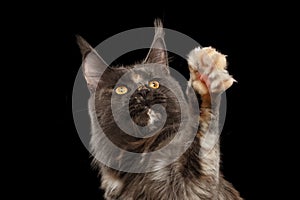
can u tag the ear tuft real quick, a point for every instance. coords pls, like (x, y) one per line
(158, 51)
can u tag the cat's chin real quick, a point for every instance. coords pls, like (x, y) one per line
(154, 116)
(150, 122)
(156, 121)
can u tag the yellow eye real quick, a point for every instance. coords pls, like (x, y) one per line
(121, 90)
(154, 84)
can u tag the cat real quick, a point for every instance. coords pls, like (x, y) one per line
(194, 174)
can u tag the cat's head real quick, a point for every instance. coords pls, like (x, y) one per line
(141, 100)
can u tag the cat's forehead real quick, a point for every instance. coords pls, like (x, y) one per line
(137, 78)
(140, 74)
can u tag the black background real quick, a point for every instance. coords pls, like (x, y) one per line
(243, 33)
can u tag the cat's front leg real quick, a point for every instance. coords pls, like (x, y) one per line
(209, 78)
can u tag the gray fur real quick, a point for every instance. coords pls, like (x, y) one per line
(193, 176)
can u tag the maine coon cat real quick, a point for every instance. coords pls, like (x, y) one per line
(137, 91)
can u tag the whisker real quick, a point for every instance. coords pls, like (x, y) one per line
(80, 110)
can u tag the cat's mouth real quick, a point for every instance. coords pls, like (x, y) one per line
(149, 119)
(141, 115)
(142, 111)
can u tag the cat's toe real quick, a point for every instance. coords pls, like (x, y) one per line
(208, 70)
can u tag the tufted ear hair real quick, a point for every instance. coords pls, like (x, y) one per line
(158, 52)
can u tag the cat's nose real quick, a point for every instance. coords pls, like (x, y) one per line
(143, 87)
(143, 91)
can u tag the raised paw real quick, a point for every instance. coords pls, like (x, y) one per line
(208, 71)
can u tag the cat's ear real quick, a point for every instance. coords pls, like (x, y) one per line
(158, 51)
(92, 63)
